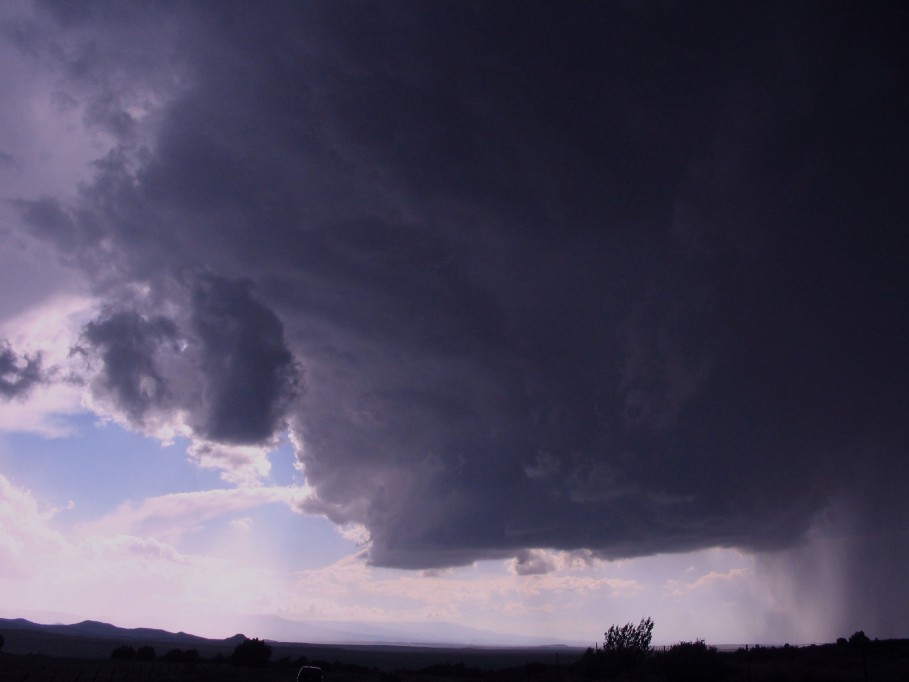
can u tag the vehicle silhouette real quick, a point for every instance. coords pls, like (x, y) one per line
(309, 673)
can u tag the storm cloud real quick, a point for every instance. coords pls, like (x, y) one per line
(625, 278)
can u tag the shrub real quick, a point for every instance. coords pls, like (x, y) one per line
(146, 653)
(691, 662)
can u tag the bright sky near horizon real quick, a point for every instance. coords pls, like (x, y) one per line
(102, 518)
(532, 318)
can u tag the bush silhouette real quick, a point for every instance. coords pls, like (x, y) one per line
(691, 662)
(251, 652)
(146, 653)
(181, 656)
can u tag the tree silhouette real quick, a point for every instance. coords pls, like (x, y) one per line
(859, 639)
(626, 647)
(146, 653)
(629, 639)
(252, 652)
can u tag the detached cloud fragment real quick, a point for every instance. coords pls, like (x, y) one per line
(219, 373)
(126, 344)
(550, 288)
(239, 464)
(18, 373)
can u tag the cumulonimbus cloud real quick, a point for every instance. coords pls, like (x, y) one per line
(548, 291)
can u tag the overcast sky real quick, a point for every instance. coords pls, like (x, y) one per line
(528, 316)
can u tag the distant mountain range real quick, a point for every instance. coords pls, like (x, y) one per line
(91, 639)
(283, 631)
(95, 629)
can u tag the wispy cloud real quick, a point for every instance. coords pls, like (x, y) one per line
(707, 580)
(169, 517)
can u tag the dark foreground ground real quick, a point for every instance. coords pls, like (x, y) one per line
(89, 661)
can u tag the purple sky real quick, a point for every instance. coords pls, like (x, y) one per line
(528, 316)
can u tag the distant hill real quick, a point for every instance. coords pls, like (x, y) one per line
(93, 639)
(279, 630)
(380, 646)
(93, 628)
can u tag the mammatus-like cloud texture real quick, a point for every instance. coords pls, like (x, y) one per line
(623, 280)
